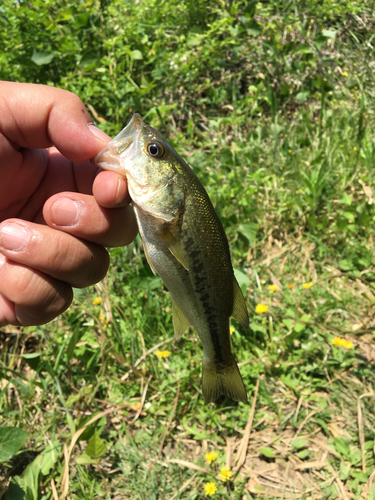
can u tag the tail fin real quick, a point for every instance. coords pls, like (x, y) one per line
(222, 379)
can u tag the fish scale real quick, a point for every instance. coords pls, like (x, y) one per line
(185, 243)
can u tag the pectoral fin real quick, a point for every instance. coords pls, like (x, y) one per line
(174, 247)
(180, 321)
(239, 305)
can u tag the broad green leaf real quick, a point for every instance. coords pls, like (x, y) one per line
(303, 454)
(267, 452)
(346, 199)
(341, 446)
(302, 97)
(47, 459)
(136, 55)
(64, 15)
(303, 48)
(42, 57)
(89, 431)
(11, 440)
(249, 230)
(344, 472)
(26, 390)
(323, 425)
(258, 328)
(362, 477)
(349, 216)
(288, 381)
(88, 58)
(243, 280)
(346, 264)
(96, 447)
(253, 28)
(84, 459)
(14, 492)
(298, 443)
(288, 322)
(82, 20)
(299, 327)
(369, 445)
(29, 481)
(329, 33)
(33, 359)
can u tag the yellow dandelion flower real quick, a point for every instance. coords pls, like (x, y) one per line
(261, 308)
(307, 285)
(289, 150)
(103, 320)
(291, 285)
(225, 474)
(232, 330)
(211, 456)
(344, 73)
(97, 301)
(210, 489)
(273, 288)
(342, 343)
(348, 344)
(163, 354)
(355, 148)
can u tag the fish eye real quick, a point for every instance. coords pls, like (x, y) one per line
(155, 149)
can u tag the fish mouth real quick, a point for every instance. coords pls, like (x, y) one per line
(122, 148)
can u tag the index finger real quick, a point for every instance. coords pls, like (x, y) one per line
(39, 116)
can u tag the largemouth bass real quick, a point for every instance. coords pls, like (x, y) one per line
(185, 243)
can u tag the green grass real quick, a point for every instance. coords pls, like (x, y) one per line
(288, 163)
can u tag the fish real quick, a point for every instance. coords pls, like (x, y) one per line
(186, 245)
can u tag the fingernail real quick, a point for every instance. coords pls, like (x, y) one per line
(64, 212)
(13, 237)
(99, 133)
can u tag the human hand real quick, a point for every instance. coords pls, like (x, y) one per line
(56, 212)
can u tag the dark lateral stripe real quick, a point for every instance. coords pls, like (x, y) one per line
(197, 269)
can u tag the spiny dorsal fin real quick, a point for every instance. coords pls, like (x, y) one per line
(239, 305)
(180, 321)
(174, 247)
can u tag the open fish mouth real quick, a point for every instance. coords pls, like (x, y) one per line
(122, 149)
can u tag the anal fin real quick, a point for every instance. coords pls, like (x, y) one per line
(180, 321)
(239, 305)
